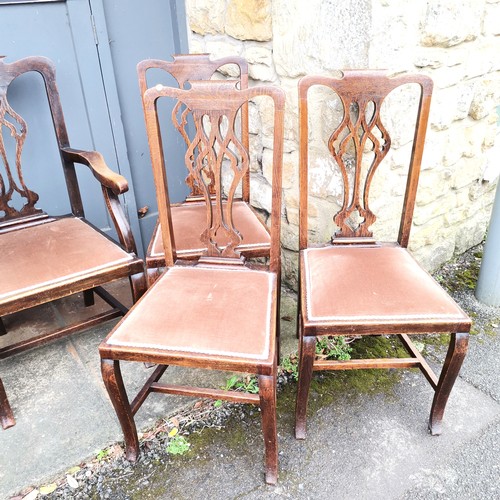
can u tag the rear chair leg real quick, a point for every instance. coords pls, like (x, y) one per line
(88, 297)
(6, 416)
(267, 393)
(3, 330)
(139, 285)
(113, 381)
(306, 361)
(453, 362)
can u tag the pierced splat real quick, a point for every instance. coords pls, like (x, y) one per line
(13, 184)
(222, 233)
(214, 142)
(180, 114)
(186, 67)
(361, 129)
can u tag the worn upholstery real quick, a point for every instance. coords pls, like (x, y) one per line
(48, 255)
(190, 219)
(223, 312)
(348, 285)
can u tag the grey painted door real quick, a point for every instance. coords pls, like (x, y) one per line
(62, 31)
(137, 31)
(95, 45)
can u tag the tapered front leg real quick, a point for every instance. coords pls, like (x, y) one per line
(6, 416)
(267, 393)
(113, 381)
(451, 368)
(307, 352)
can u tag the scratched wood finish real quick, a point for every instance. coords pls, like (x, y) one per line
(15, 219)
(211, 104)
(361, 128)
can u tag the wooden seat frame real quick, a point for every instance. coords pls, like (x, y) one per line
(359, 88)
(183, 68)
(212, 100)
(29, 216)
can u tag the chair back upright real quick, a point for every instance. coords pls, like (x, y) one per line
(361, 129)
(186, 67)
(215, 146)
(12, 180)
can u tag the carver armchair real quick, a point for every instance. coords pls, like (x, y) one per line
(355, 285)
(188, 217)
(44, 258)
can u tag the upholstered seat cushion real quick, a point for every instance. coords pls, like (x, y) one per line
(349, 286)
(47, 256)
(203, 311)
(189, 220)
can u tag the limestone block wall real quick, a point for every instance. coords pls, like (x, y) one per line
(456, 42)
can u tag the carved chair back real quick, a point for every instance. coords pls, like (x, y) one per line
(186, 67)
(361, 129)
(12, 180)
(214, 106)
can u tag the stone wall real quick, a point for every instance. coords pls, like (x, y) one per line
(456, 42)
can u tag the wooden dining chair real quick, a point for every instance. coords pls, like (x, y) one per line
(44, 258)
(188, 217)
(354, 284)
(219, 312)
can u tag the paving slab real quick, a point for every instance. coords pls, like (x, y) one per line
(63, 414)
(368, 446)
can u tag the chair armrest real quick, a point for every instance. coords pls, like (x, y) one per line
(95, 161)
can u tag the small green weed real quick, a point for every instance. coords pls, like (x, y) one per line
(290, 365)
(102, 454)
(333, 348)
(178, 445)
(247, 384)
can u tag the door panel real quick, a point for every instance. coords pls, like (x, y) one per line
(63, 32)
(157, 31)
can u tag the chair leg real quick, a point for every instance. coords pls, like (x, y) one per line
(113, 381)
(453, 362)
(139, 285)
(153, 274)
(267, 393)
(6, 416)
(3, 330)
(88, 297)
(306, 360)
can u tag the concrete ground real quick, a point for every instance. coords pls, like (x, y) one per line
(364, 442)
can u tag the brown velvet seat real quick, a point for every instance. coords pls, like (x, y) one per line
(44, 258)
(219, 299)
(69, 251)
(255, 236)
(188, 216)
(217, 312)
(355, 285)
(380, 285)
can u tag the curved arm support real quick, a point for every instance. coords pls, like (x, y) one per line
(95, 161)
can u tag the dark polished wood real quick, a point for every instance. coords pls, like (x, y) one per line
(184, 68)
(6, 416)
(45, 273)
(354, 284)
(216, 312)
